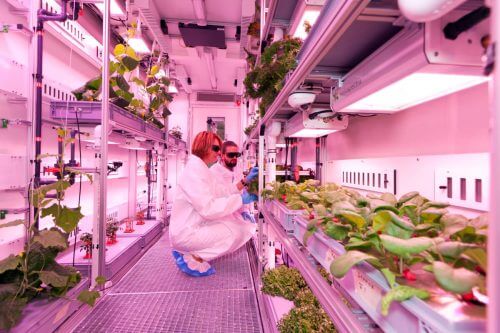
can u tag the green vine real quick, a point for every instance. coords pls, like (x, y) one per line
(35, 273)
(265, 80)
(154, 89)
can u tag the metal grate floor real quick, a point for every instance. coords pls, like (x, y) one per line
(154, 296)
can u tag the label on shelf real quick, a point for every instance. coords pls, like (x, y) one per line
(366, 289)
(330, 256)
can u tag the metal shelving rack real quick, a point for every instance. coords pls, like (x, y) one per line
(344, 319)
(333, 21)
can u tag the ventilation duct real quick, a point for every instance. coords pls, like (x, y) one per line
(415, 66)
(213, 97)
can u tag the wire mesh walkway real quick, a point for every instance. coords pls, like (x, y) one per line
(155, 296)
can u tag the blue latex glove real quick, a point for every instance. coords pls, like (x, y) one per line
(248, 197)
(247, 216)
(254, 172)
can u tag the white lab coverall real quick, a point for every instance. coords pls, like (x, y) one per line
(204, 221)
(225, 179)
(226, 182)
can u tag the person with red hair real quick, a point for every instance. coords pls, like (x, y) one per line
(204, 224)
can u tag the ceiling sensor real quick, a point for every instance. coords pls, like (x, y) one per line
(320, 113)
(301, 100)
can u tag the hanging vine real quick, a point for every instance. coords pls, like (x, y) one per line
(265, 80)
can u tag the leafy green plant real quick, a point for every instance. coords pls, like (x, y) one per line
(400, 237)
(35, 273)
(154, 89)
(306, 319)
(112, 227)
(307, 316)
(126, 61)
(176, 132)
(265, 80)
(251, 127)
(283, 281)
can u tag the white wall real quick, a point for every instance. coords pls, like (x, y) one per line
(449, 133)
(230, 112)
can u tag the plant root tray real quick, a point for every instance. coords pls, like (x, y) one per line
(366, 285)
(117, 256)
(147, 232)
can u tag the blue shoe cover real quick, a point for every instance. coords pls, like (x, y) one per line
(176, 255)
(179, 260)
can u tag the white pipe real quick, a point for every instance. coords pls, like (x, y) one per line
(200, 11)
(494, 225)
(427, 10)
(209, 60)
(99, 227)
(272, 132)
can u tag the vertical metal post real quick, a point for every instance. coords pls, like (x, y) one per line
(99, 230)
(30, 144)
(323, 160)
(318, 159)
(132, 183)
(262, 22)
(494, 225)
(163, 182)
(293, 156)
(261, 234)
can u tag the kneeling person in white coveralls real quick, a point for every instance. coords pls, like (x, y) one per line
(226, 177)
(205, 223)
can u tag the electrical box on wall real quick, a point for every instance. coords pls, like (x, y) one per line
(12, 180)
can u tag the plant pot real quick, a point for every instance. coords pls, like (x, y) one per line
(111, 240)
(88, 250)
(129, 226)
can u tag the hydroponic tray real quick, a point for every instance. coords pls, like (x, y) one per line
(89, 113)
(366, 285)
(147, 232)
(47, 315)
(277, 308)
(285, 215)
(117, 256)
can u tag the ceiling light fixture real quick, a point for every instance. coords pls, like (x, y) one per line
(172, 88)
(415, 66)
(116, 8)
(415, 89)
(137, 42)
(306, 11)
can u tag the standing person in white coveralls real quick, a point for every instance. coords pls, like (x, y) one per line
(225, 175)
(204, 223)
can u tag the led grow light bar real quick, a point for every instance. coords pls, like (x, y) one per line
(415, 89)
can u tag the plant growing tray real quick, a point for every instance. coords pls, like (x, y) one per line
(89, 113)
(366, 285)
(285, 215)
(117, 256)
(147, 232)
(47, 315)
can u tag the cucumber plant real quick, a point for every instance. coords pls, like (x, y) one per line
(34, 273)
